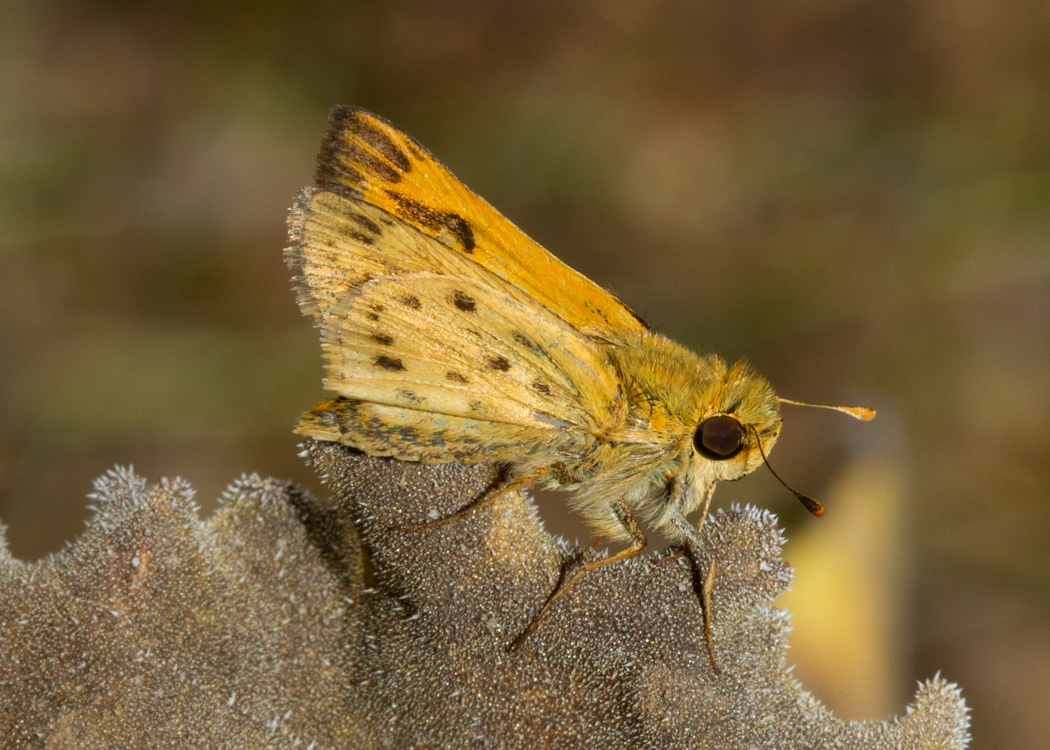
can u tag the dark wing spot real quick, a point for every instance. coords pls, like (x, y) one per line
(376, 308)
(406, 434)
(498, 363)
(382, 338)
(463, 301)
(528, 343)
(455, 377)
(540, 387)
(409, 395)
(353, 234)
(327, 418)
(434, 221)
(461, 228)
(411, 300)
(366, 223)
(389, 363)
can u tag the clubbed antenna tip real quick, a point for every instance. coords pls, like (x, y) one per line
(857, 412)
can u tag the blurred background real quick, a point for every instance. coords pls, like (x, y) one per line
(853, 194)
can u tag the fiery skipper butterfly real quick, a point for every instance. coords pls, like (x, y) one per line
(449, 335)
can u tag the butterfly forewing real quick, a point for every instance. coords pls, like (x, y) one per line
(365, 158)
(339, 243)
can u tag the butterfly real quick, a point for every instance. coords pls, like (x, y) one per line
(449, 335)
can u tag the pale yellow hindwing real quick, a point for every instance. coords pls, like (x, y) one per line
(369, 164)
(493, 368)
(416, 435)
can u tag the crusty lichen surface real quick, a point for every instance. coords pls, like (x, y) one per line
(288, 621)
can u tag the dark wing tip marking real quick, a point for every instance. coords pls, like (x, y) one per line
(354, 147)
(360, 125)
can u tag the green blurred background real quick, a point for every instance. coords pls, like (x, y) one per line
(854, 195)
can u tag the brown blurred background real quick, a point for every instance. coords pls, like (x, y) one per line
(855, 195)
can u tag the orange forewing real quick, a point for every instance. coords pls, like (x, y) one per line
(364, 157)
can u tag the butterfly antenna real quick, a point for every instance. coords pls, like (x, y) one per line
(812, 504)
(857, 412)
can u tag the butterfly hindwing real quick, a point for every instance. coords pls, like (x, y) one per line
(416, 435)
(450, 347)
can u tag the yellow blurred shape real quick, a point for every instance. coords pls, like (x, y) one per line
(847, 597)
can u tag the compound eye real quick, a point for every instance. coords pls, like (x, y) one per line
(719, 437)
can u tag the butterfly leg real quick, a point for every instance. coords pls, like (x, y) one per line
(495, 490)
(625, 517)
(680, 522)
(705, 600)
(693, 536)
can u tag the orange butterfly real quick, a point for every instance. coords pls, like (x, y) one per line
(449, 335)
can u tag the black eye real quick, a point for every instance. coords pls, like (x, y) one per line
(719, 437)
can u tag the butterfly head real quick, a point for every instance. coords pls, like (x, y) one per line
(739, 424)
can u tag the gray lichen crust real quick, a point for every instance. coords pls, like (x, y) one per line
(285, 621)
(157, 630)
